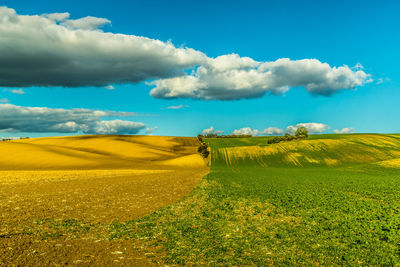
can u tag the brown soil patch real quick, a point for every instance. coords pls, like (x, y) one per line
(34, 204)
(95, 201)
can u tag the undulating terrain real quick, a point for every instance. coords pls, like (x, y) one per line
(58, 195)
(327, 200)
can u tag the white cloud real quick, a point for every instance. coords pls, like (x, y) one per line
(272, 131)
(109, 87)
(57, 17)
(211, 130)
(18, 91)
(344, 130)
(4, 100)
(358, 66)
(41, 119)
(178, 107)
(149, 130)
(51, 50)
(246, 131)
(54, 50)
(231, 77)
(86, 23)
(255, 132)
(116, 127)
(312, 127)
(383, 80)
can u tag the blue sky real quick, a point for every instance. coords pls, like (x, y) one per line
(336, 32)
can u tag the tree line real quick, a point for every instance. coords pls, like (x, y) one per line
(203, 148)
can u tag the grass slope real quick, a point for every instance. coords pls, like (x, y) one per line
(328, 200)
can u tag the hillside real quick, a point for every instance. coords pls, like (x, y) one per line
(330, 200)
(59, 195)
(318, 150)
(99, 152)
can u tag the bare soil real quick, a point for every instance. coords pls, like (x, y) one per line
(33, 214)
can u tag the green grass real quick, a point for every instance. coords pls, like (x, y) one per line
(249, 214)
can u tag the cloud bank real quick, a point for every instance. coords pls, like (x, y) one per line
(51, 50)
(41, 119)
(54, 50)
(211, 130)
(312, 127)
(344, 130)
(150, 130)
(231, 77)
(255, 132)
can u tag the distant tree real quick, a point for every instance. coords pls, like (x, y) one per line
(288, 137)
(203, 150)
(276, 139)
(301, 132)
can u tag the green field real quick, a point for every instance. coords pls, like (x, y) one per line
(262, 207)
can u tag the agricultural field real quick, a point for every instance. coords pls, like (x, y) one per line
(59, 195)
(327, 200)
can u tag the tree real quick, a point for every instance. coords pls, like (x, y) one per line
(203, 150)
(288, 137)
(301, 132)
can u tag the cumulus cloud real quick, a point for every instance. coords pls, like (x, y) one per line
(41, 119)
(312, 127)
(54, 50)
(211, 130)
(178, 107)
(230, 77)
(51, 50)
(116, 127)
(150, 130)
(86, 23)
(56, 17)
(18, 91)
(255, 132)
(109, 87)
(344, 130)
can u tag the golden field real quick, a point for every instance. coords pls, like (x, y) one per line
(91, 179)
(97, 152)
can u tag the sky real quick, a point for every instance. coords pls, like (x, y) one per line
(180, 68)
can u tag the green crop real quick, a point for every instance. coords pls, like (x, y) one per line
(264, 210)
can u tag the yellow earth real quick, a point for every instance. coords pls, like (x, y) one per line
(47, 183)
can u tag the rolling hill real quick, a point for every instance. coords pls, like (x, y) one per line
(99, 152)
(58, 195)
(318, 150)
(330, 200)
